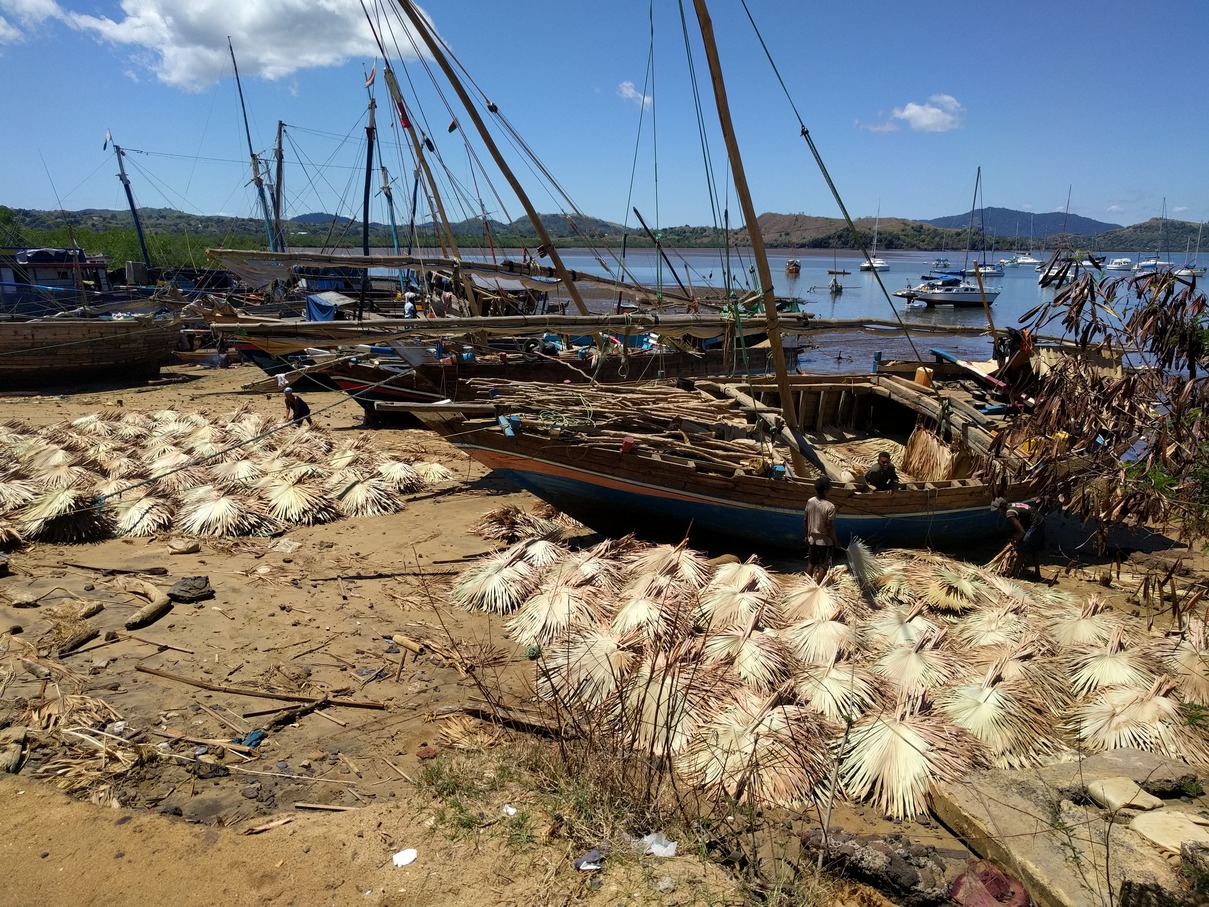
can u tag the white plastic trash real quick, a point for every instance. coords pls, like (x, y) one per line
(405, 857)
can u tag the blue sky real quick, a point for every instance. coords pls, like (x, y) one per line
(905, 101)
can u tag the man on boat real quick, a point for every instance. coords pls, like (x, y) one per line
(883, 476)
(409, 306)
(1028, 530)
(820, 530)
(296, 408)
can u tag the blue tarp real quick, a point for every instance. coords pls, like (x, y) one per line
(319, 309)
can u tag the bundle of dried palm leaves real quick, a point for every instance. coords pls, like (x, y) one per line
(743, 679)
(135, 473)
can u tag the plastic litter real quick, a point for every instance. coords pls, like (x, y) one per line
(591, 861)
(251, 738)
(405, 857)
(509, 810)
(657, 845)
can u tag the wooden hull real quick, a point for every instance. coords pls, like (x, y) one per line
(667, 493)
(72, 350)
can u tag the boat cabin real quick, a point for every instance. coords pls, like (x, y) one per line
(29, 278)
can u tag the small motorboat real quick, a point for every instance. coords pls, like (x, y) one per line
(793, 266)
(1119, 264)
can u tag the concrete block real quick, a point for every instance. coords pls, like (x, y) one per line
(1170, 829)
(1118, 793)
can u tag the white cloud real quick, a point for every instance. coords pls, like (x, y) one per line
(941, 113)
(1115, 209)
(25, 14)
(185, 43)
(887, 126)
(1180, 209)
(630, 93)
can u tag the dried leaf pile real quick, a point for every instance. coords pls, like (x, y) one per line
(907, 668)
(136, 474)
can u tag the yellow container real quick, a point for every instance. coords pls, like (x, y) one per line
(923, 376)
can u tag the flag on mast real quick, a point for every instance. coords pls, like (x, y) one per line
(108, 139)
(373, 72)
(453, 125)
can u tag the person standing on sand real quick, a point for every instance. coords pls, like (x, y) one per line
(819, 521)
(1028, 530)
(296, 408)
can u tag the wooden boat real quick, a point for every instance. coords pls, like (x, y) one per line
(793, 266)
(67, 350)
(707, 459)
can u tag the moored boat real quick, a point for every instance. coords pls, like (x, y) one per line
(1119, 264)
(949, 291)
(66, 350)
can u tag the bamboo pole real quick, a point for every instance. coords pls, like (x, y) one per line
(424, 30)
(753, 227)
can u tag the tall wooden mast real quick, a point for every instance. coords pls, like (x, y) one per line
(788, 407)
(423, 30)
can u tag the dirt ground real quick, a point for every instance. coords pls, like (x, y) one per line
(310, 617)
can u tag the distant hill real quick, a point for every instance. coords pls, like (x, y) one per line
(1007, 222)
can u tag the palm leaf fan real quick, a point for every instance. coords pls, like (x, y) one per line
(893, 759)
(587, 568)
(1002, 624)
(585, 667)
(46, 456)
(64, 516)
(918, 668)
(722, 607)
(498, 584)
(345, 457)
(10, 536)
(549, 613)
(758, 657)
(1089, 625)
(433, 473)
(673, 560)
(401, 475)
(65, 437)
(1003, 589)
(1029, 665)
(249, 426)
(124, 467)
(952, 589)
(16, 493)
(63, 475)
(511, 523)
(165, 415)
(1145, 718)
(238, 413)
(654, 606)
(108, 487)
(1109, 665)
(101, 452)
(1014, 726)
(824, 637)
(240, 472)
(271, 467)
(298, 501)
(143, 516)
(223, 514)
(131, 432)
(748, 576)
(863, 566)
(368, 497)
(665, 697)
(14, 432)
(98, 425)
(898, 626)
(539, 552)
(841, 691)
(758, 752)
(1186, 657)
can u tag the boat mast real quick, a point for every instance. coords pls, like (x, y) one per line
(138, 225)
(256, 178)
(423, 30)
(279, 191)
(370, 132)
(788, 409)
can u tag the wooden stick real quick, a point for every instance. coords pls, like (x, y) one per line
(227, 721)
(259, 694)
(151, 642)
(275, 823)
(410, 645)
(149, 613)
(326, 807)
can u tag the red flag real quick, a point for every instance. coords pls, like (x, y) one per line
(404, 123)
(372, 73)
(453, 125)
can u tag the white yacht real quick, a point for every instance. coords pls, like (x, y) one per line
(1119, 264)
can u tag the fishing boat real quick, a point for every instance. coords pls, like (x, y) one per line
(707, 459)
(38, 352)
(793, 266)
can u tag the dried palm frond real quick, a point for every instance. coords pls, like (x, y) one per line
(465, 733)
(14, 432)
(748, 576)
(1029, 665)
(585, 667)
(236, 472)
(839, 690)
(223, 514)
(129, 432)
(952, 589)
(143, 516)
(663, 699)
(755, 751)
(498, 583)
(122, 466)
(44, 456)
(1143, 718)
(1109, 665)
(1006, 562)
(368, 497)
(403, 476)
(549, 613)
(511, 523)
(724, 606)
(432, 473)
(346, 457)
(271, 467)
(917, 668)
(899, 626)
(894, 758)
(1001, 624)
(108, 488)
(822, 638)
(672, 560)
(1092, 624)
(293, 500)
(655, 607)
(16, 493)
(759, 658)
(1014, 726)
(165, 415)
(863, 566)
(62, 475)
(804, 599)
(249, 426)
(587, 568)
(1186, 657)
(539, 552)
(63, 516)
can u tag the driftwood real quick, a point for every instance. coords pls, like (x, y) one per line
(259, 694)
(75, 640)
(149, 613)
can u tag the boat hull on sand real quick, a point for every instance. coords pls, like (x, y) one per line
(58, 351)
